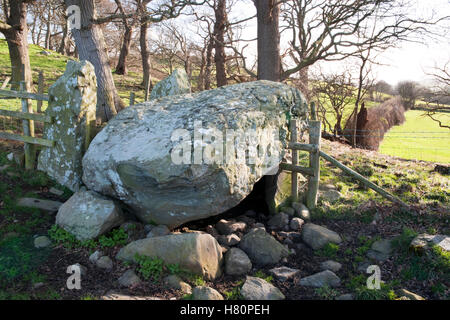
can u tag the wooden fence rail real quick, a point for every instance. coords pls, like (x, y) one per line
(28, 117)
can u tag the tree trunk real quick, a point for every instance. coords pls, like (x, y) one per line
(64, 45)
(219, 47)
(304, 82)
(145, 56)
(269, 61)
(121, 67)
(16, 38)
(91, 47)
(208, 66)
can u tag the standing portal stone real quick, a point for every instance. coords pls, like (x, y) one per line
(176, 83)
(72, 104)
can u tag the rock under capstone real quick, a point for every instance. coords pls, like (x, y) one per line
(140, 159)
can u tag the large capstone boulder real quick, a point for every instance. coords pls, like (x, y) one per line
(198, 253)
(188, 157)
(88, 215)
(72, 104)
(176, 83)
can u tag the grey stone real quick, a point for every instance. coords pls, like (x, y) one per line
(229, 240)
(284, 273)
(330, 195)
(301, 210)
(212, 231)
(262, 248)
(205, 293)
(317, 236)
(331, 265)
(279, 220)
(259, 289)
(120, 296)
(129, 279)
(175, 84)
(321, 279)
(88, 215)
(288, 210)
(347, 296)
(42, 242)
(296, 224)
(47, 205)
(95, 256)
(56, 191)
(72, 104)
(174, 282)
(362, 267)
(381, 250)
(137, 157)
(198, 253)
(237, 262)
(104, 262)
(10, 156)
(228, 227)
(424, 241)
(158, 231)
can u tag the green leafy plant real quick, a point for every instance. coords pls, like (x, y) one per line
(262, 275)
(330, 250)
(149, 268)
(327, 293)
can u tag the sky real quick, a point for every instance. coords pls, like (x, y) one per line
(409, 61)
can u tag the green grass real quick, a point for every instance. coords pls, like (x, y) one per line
(419, 138)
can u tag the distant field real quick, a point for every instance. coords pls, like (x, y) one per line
(419, 138)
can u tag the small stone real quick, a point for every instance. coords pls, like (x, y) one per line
(423, 241)
(279, 220)
(410, 295)
(46, 205)
(212, 231)
(362, 267)
(296, 224)
(262, 248)
(206, 293)
(259, 289)
(129, 279)
(42, 242)
(237, 262)
(95, 256)
(38, 285)
(347, 296)
(229, 240)
(174, 282)
(381, 250)
(104, 262)
(317, 236)
(284, 273)
(330, 195)
(148, 228)
(301, 210)
(321, 279)
(228, 227)
(331, 265)
(55, 191)
(158, 231)
(288, 210)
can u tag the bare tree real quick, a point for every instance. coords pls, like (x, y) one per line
(337, 91)
(441, 91)
(121, 67)
(409, 91)
(323, 30)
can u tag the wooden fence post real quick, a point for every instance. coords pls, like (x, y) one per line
(28, 130)
(40, 90)
(294, 175)
(314, 163)
(132, 98)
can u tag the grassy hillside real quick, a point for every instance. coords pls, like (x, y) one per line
(53, 67)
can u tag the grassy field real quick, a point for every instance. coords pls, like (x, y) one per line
(419, 138)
